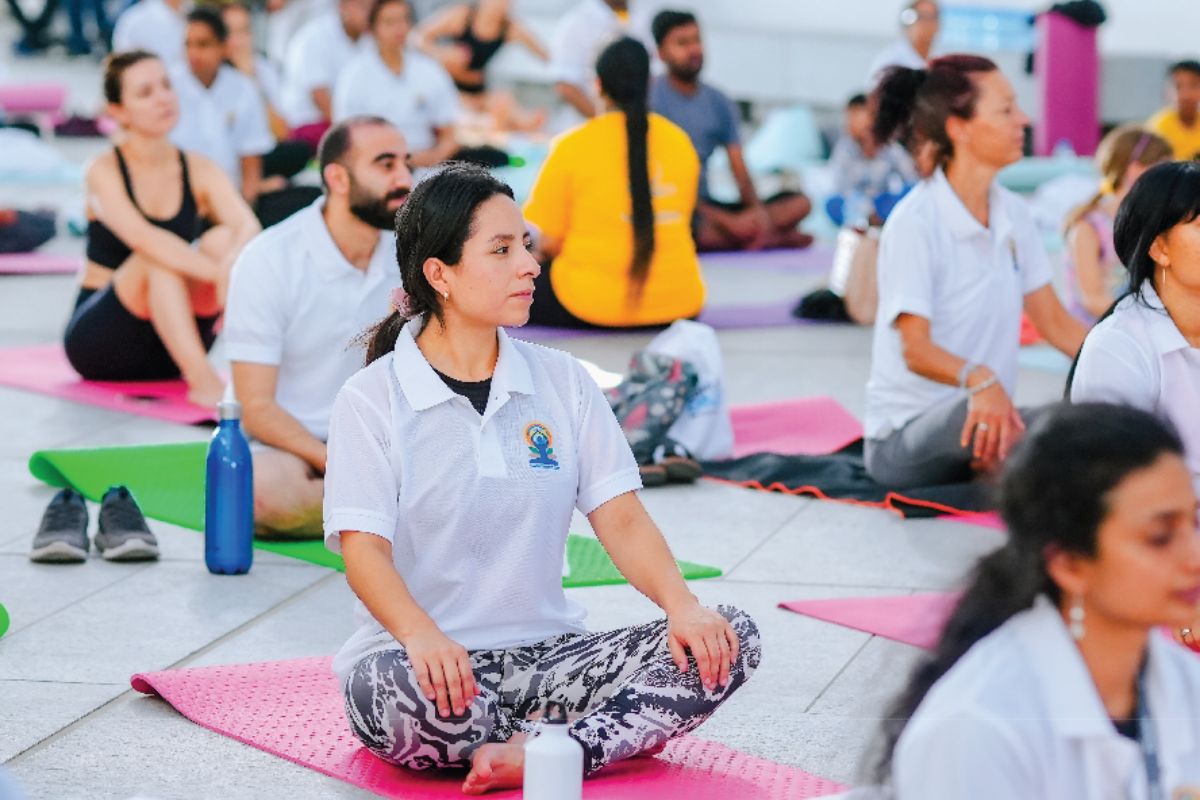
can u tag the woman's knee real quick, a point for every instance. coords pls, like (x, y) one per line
(390, 714)
(748, 636)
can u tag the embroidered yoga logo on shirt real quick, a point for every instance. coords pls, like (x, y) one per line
(540, 441)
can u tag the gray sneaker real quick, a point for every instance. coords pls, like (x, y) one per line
(62, 537)
(123, 534)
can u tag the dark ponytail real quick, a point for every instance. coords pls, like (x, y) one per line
(624, 72)
(1054, 495)
(435, 222)
(1166, 195)
(912, 105)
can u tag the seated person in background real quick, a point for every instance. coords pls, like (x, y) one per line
(299, 294)
(464, 38)
(613, 203)
(1146, 353)
(409, 89)
(25, 231)
(289, 156)
(959, 259)
(1179, 123)
(711, 121)
(456, 460)
(921, 21)
(586, 29)
(869, 178)
(1051, 679)
(1094, 274)
(153, 287)
(315, 58)
(156, 26)
(221, 113)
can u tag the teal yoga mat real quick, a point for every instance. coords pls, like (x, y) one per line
(168, 482)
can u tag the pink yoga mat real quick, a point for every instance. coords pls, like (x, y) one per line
(39, 264)
(915, 619)
(294, 709)
(44, 369)
(32, 98)
(808, 426)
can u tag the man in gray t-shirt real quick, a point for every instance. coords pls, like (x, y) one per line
(710, 120)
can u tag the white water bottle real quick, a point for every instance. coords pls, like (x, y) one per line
(553, 760)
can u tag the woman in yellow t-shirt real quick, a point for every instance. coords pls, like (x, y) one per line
(613, 204)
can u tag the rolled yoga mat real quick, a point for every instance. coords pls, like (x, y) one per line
(916, 619)
(295, 710)
(167, 481)
(37, 263)
(44, 369)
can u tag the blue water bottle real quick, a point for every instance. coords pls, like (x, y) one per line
(229, 496)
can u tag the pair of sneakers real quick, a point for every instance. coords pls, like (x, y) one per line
(122, 533)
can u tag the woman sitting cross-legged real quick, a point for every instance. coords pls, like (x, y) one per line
(455, 460)
(153, 286)
(959, 259)
(1051, 680)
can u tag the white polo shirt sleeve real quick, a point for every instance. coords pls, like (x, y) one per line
(1113, 368)
(906, 267)
(361, 486)
(444, 111)
(345, 91)
(571, 50)
(255, 318)
(251, 131)
(1032, 259)
(607, 468)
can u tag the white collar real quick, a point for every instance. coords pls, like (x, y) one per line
(424, 389)
(1073, 706)
(1164, 334)
(960, 222)
(327, 256)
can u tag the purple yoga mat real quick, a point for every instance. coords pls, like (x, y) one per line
(814, 260)
(732, 317)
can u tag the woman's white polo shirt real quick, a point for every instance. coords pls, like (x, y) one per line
(1019, 717)
(1138, 357)
(938, 262)
(477, 508)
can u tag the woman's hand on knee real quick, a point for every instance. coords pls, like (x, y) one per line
(993, 425)
(443, 670)
(709, 637)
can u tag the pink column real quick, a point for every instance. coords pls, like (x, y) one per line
(1067, 66)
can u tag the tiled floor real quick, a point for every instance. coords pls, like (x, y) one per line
(71, 728)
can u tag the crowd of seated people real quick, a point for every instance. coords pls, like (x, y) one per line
(194, 228)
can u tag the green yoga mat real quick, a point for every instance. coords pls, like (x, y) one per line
(4, 621)
(168, 482)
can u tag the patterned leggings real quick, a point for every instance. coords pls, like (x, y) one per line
(623, 685)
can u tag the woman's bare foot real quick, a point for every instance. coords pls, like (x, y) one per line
(206, 392)
(497, 766)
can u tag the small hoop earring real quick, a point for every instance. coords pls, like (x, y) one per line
(1076, 615)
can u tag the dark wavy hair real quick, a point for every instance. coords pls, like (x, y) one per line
(624, 72)
(913, 105)
(1166, 195)
(116, 65)
(1054, 493)
(435, 222)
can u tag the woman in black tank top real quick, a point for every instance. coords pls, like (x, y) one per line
(154, 286)
(465, 38)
